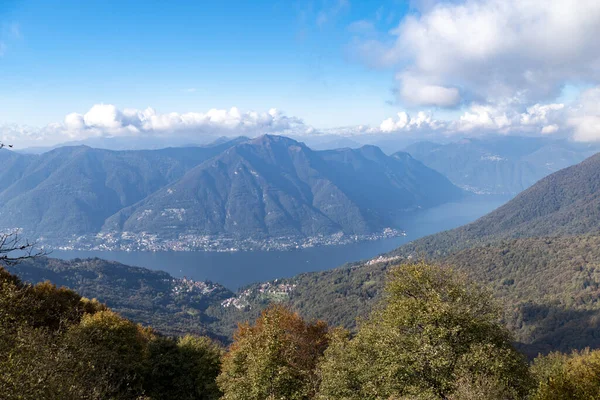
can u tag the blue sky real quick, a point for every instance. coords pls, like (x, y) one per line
(72, 70)
(190, 55)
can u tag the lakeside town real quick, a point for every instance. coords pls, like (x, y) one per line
(126, 241)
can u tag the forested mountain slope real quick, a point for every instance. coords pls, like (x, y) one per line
(268, 186)
(72, 190)
(172, 306)
(276, 186)
(538, 254)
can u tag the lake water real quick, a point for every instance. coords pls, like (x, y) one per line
(241, 268)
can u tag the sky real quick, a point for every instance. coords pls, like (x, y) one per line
(71, 70)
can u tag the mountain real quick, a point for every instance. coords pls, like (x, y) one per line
(274, 186)
(500, 165)
(538, 254)
(335, 143)
(564, 203)
(134, 143)
(72, 190)
(546, 275)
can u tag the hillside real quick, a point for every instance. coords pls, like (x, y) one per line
(499, 165)
(72, 190)
(538, 254)
(155, 298)
(273, 186)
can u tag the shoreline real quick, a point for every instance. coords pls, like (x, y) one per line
(124, 241)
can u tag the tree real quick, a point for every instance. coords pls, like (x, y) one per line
(34, 361)
(433, 334)
(275, 358)
(561, 376)
(109, 355)
(183, 368)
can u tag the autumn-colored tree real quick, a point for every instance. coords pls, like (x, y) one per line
(275, 358)
(109, 354)
(433, 334)
(33, 357)
(561, 376)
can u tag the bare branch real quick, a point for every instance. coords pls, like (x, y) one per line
(14, 249)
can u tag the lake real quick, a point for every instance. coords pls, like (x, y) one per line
(237, 269)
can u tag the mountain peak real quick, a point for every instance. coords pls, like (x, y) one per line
(371, 150)
(274, 139)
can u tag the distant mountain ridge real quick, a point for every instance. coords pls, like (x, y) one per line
(562, 204)
(268, 186)
(500, 165)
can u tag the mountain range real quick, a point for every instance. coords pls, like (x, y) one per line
(500, 164)
(264, 187)
(538, 254)
(72, 190)
(275, 186)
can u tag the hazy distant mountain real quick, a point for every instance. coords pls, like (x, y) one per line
(136, 143)
(336, 143)
(276, 186)
(72, 190)
(564, 203)
(499, 165)
(271, 186)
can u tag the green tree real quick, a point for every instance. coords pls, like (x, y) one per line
(561, 376)
(109, 355)
(275, 358)
(184, 368)
(34, 363)
(432, 335)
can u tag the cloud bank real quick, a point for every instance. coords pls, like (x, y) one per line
(487, 50)
(579, 121)
(106, 120)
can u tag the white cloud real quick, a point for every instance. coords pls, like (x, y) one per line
(491, 49)
(416, 91)
(541, 114)
(404, 122)
(550, 129)
(106, 120)
(584, 118)
(579, 120)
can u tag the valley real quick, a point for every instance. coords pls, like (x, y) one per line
(236, 267)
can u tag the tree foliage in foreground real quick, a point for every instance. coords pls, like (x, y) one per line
(575, 376)
(275, 358)
(54, 344)
(433, 336)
